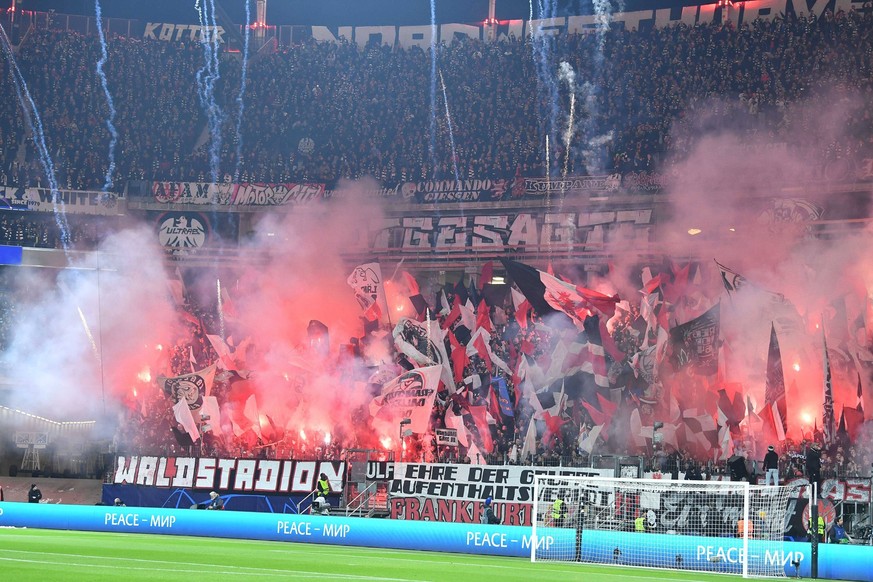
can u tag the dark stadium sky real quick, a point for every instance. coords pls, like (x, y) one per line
(331, 12)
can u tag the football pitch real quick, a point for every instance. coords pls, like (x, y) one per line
(33, 555)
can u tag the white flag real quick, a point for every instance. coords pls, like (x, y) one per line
(186, 419)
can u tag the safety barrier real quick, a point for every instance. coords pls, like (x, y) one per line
(841, 562)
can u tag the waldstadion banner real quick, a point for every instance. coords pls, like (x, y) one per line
(228, 475)
(68, 201)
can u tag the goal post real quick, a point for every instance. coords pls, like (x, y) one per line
(713, 526)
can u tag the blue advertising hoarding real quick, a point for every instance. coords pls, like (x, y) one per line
(842, 562)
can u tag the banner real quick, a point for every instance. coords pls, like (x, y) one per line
(70, 201)
(446, 437)
(228, 194)
(474, 190)
(409, 396)
(571, 185)
(521, 232)
(228, 475)
(182, 32)
(448, 492)
(695, 343)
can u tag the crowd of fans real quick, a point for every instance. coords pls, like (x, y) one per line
(326, 111)
(323, 111)
(41, 230)
(149, 427)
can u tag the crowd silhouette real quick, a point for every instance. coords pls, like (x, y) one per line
(320, 111)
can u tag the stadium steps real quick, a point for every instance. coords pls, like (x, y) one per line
(67, 491)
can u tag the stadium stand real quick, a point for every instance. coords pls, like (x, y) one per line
(649, 85)
(328, 111)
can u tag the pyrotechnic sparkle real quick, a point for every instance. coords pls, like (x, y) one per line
(220, 308)
(242, 90)
(547, 84)
(93, 343)
(145, 375)
(110, 120)
(433, 84)
(34, 124)
(451, 131)
(207, 77)
(569, 76)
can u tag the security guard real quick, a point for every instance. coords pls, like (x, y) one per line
(322, 488)
(821, 529)
(559, 511)
(640, 524)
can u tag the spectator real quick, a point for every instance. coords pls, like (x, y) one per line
(34, 495)
(838, 533)
(771, 467)
(488, 514)
(215, 502)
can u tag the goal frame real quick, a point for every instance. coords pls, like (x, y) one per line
(737, 487)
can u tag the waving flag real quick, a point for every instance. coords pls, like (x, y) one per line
(411, 396)
(775, 405)
(424, 344)
(731, 280)
(695, 343)
(366, 281)
(548, 294)
(827, 422)
(502, 393)
(192, 388)
(184, 417)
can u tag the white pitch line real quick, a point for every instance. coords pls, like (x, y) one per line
(551, 567)
(238, 570)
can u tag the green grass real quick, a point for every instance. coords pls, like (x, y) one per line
(48, 555)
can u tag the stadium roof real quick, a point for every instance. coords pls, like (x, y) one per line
(340, 12)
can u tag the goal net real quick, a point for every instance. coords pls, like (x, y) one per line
(727, 527)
